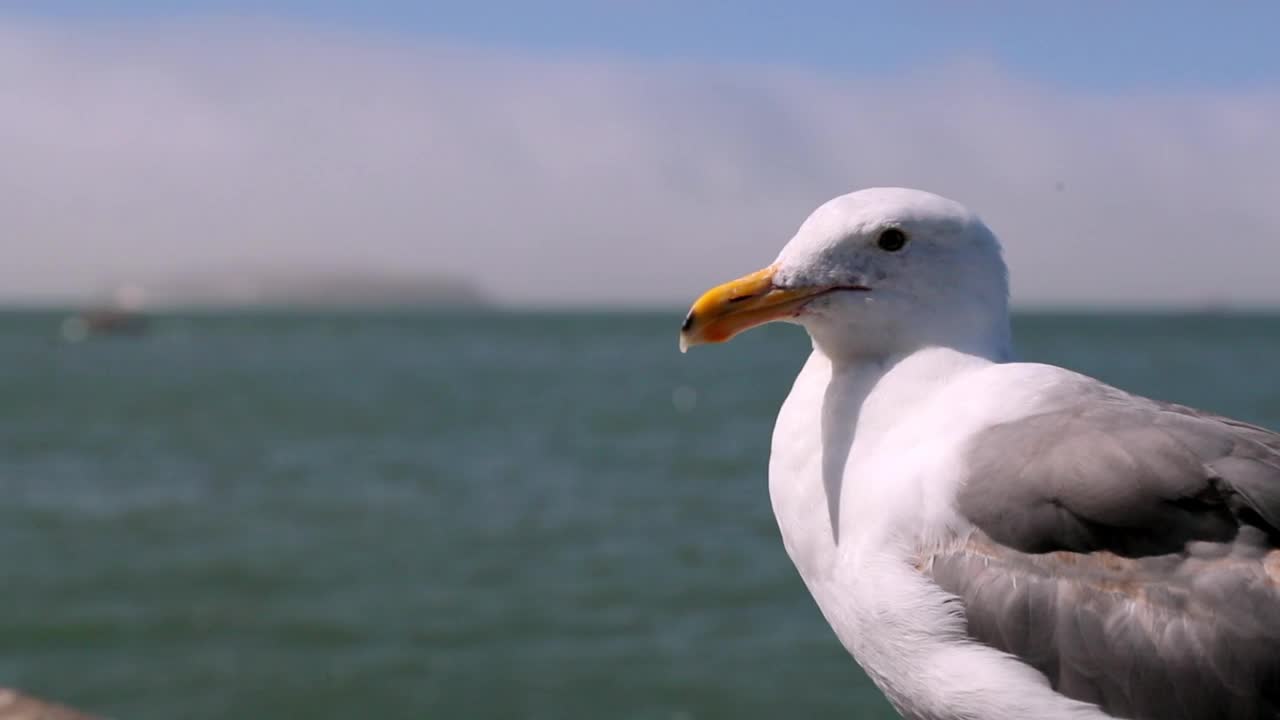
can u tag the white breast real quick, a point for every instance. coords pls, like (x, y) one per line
(859, 459)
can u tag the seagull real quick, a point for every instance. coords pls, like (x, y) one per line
(992, 539)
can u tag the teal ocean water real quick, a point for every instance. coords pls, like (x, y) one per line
(449, 516)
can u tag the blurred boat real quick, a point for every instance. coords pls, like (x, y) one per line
(103, 322)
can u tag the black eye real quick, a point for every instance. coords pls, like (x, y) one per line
(892, 240)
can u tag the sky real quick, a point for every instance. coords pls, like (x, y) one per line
(617, 154)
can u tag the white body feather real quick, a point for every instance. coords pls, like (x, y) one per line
(894, 488)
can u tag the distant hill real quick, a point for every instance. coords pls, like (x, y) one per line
(333, 289)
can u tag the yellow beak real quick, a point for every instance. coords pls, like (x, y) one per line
(739, 305)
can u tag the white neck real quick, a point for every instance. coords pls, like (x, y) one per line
(972, 332)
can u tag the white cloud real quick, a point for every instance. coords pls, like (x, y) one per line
(148, 148)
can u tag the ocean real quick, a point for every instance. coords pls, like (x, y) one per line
(450, 515)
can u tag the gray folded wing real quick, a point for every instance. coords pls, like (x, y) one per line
(1130, 550)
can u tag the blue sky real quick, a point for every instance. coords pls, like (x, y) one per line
(1114, 46)
(631, 153)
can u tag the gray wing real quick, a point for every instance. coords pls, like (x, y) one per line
(1129, 550)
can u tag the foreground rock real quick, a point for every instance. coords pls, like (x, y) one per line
(16, 706)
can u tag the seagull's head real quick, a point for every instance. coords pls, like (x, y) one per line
(875, 272)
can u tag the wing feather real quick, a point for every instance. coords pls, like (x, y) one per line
(1130, 551)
